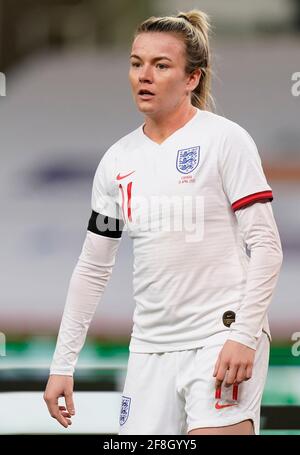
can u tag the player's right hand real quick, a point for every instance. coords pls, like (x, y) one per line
(60, 386)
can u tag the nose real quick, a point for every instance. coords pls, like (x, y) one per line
(145, 74)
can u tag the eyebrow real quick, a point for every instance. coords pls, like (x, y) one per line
(161, 57)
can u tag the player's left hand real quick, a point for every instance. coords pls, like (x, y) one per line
(234, 364)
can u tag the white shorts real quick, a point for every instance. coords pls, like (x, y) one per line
(174, 392)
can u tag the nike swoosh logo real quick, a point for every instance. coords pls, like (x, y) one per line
(120, 177)
(222, 406)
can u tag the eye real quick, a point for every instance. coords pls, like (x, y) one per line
(162, 66)
(136, 64)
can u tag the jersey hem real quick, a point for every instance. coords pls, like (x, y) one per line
(156, 348)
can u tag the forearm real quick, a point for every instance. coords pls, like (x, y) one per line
(259, 231)
(87, 284)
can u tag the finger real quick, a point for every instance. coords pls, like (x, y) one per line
(66, 414)
(241, 374)
(68, 419)
(69, 403)
(63, 420)
(248, 372)
(221, 374)
(216, 367)
(63, 409)
(55, 413)
(231, 376)
(52, 405)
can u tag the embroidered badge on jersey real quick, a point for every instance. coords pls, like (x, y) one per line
(125, 407)
(228, 318)
(188, 159)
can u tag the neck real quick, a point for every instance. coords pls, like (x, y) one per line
(162, 125)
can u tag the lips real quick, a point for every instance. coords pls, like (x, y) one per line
(145, 92)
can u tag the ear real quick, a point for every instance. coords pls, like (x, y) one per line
(193, 79)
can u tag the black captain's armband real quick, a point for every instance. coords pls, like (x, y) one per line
(106, 226)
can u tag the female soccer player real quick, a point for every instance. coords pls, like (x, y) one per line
(189, 187)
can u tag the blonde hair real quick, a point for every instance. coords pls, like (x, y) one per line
(194, 27)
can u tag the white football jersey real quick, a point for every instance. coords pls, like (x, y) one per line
(177, 200)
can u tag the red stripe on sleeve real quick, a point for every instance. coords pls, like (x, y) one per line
(251, 198)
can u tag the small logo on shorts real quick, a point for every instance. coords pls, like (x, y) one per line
(220, 405)
(228, 318)
(120, 177)
(125, 407)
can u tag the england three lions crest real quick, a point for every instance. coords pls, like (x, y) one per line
(188, 159)
(125, 407)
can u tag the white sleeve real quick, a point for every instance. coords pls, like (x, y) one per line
(86, 287)
(105, 194)
(259, 231)
(241, 170)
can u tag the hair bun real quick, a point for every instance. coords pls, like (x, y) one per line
(184, 16)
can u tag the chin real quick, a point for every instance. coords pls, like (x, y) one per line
(146, 109)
